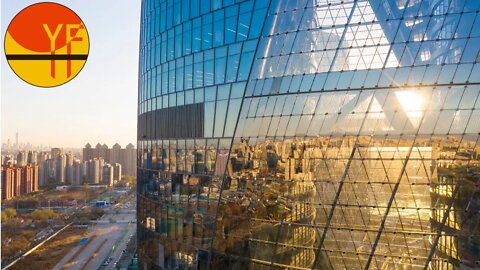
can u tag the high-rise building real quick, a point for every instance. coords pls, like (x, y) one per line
(17, 183)
(129, 158)
(116, 155)
(8, 182)
(78, 173)
(309, 134)
(101, 163)
(29, 182)
(126, 157)
(60, 169)
(55, 152)
(69, 176)
(46, 171)
(87, 152)
(117, 171)
(32, 157)
(85, 172)
(42, 156)
(21, 159)
(94, 171)
(8, 159)
(98, 151)
(19, 180)
(108, 174)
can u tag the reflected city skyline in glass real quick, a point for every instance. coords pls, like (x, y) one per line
(309, 134)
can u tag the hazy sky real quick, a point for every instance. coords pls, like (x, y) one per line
(100, 104)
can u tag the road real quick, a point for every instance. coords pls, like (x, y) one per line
(107, 238)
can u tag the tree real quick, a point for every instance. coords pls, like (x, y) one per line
(10, 213)
(43, 215)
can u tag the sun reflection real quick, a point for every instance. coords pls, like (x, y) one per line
(412, 103)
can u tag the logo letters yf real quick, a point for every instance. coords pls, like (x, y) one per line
(69, 39)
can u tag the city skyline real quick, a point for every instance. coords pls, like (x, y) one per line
(57, 167)
(99, 104)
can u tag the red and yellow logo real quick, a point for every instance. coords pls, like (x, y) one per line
(46, 44)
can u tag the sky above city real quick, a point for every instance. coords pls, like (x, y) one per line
(100, 104)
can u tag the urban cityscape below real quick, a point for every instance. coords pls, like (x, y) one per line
(27, 171)
(84, 196)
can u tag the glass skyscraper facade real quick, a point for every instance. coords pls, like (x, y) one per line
(309, 134)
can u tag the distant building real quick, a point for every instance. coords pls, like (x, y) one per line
(32, 157)
(8, 159)
(221, 164)
(104, 153)
(87, 152)
(60, 166)
(21, 159)
(107, 173)
(116, 154)
(19, 180)
(46, 171)
(43, 156)
(117, 171)
(80, 172)
(94, 171)
(130, 160)
(126, 157)
(69, 177)
(29, 182)
(56, 152)
(8, 182)
(101, 163)
(84, 171)
(77, 169)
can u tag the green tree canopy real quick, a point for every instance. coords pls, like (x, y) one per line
(43, 214)
(10, 213)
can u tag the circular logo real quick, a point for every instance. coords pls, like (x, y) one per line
(46, 44)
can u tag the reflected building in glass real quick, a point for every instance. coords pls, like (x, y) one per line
(309, 134)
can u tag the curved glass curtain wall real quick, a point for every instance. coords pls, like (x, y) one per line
(310, 134)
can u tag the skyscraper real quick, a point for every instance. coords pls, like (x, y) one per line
(60, 169)
(8, 182)
(29, 181)
(108, 174)
(56, 152)
(94, 171)
(46, 171)
(21, 159)
(116, 154)
(32, 157)
(309, 134)
(117, 171)
(78, 173)
(69, 175)
(130, 160)
(101, 163)
(87, 152)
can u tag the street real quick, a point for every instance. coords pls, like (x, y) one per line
(106, 239)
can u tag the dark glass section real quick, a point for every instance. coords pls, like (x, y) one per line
(175, 122)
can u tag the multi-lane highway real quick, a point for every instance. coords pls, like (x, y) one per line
(106, 240)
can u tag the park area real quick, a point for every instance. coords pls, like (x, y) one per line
(49, 254)
(28, 220)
